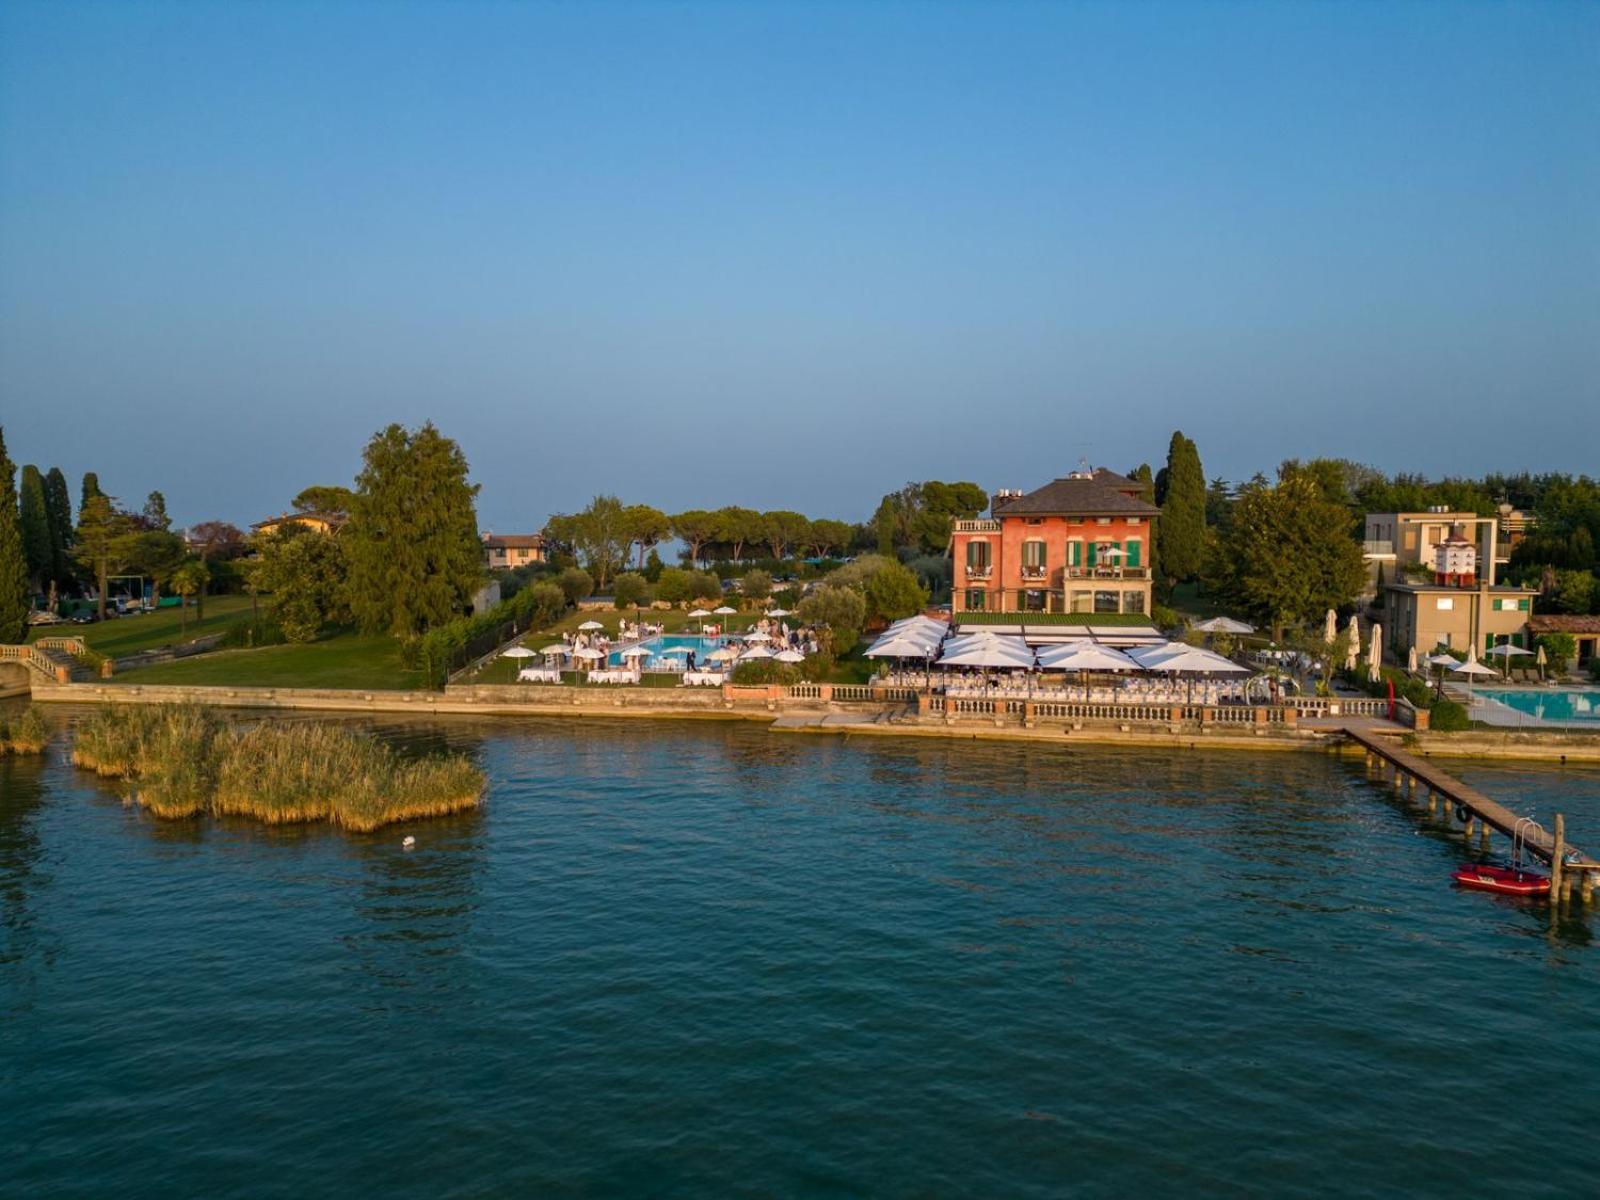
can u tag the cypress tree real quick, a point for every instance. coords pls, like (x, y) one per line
(1183, 511)
(91, 488)
(14, 598)
(415, 559)
(58, 504)
(34, 515)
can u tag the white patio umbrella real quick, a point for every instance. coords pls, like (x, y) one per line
(723, 655)
(1472, 667)
(1507, 650)
(1540, 660)
(591, 625)
(673, 652)
(1179, 659)
(1086, 656)
(899, 648)
(989, 656)
(1354, 649)
(1224, 625)
(779, 612)
(789, 656)
(520, 652)
(637, 652)
(757, 637)
(560, 648)
(757, 652)
(725, 611)
(698, 612)
(1330, 630)
(1375, 654)
(588, 652)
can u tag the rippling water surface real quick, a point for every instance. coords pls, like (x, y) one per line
(692, 960)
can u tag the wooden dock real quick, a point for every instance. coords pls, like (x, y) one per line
(1569, 866)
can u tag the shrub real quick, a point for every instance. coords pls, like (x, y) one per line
(576, 584)
(1559, 650)
(892, 592)
(704, 586)
(448, 647)
(630, 590)
(838, 611)
(757, 584)
(672, 585)
(251, 632)
(1163, 617)
(28, 734)
(1448, 717)
(764, 671)
(1594, 668)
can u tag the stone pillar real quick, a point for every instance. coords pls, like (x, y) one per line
(825, 692)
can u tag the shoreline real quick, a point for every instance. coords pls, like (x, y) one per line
(873, 720)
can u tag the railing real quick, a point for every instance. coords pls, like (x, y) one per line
(1378, 547)
(36, 658)
(1102, 571)
(980, 525)
(72, 645)
(852, 691)
(805, 691)
(894, 692)
(1034, 572)
(979, 572)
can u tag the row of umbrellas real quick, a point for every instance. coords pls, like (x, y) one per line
(923, 637)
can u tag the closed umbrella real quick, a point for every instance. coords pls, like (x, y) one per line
(1353, 631)
(1375, 654)
(1541, 660)
(1411, 660)
(1331, 629)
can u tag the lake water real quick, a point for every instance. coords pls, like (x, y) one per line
(706, 960)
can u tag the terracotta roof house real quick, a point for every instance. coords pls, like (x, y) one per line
(506, 551)
(1080, 543)
(1585, 630)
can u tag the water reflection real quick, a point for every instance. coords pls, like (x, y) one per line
(21, 853)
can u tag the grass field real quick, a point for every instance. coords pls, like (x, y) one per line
(345, 660)
(128, 635)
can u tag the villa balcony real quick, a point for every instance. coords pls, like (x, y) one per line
(1035, 572)
(1105, 571)
(1377, 549)
(982, 525)
(979, 572)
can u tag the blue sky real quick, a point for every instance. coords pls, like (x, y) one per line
(792, 255)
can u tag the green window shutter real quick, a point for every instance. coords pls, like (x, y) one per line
(1522, 605)
(1074, 554)
(1133, 548)
(1093, 552)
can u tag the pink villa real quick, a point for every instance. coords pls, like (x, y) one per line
(1078, 544)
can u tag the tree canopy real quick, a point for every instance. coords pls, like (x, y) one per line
(58, 507)
(412, 541)
(600, 535)
(14, 598)
(34, 515)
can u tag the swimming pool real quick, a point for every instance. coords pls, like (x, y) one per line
(1565, 705)
(702, 646)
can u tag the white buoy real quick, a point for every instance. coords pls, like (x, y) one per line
(409, 841)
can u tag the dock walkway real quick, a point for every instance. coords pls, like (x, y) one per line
(1539, 842)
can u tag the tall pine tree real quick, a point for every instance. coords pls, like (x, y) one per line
(33, 512)
(415, 559)
(91, 488)
(14, 598)
(58, 504)
(1183, 511)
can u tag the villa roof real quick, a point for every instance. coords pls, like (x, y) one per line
(1105, 493)
(514, 541)
(1557, 623)
(333, 519)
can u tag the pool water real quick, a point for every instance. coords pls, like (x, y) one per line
(702, 646)
(1567, 705)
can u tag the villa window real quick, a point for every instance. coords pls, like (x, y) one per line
(1102, 520)
(1033, 557)
(1033, 600)
(1106, 602)
(977, 558)
(1133, 602)
(977, 600)
(1446, 603)
(1082, 600)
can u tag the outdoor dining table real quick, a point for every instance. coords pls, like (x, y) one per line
(614, 676)
(704, 678)
(539, 675)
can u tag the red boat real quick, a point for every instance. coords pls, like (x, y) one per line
(1507, 880)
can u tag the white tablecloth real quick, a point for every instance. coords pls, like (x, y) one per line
(539, 675)
(614, 676)
(704, 678)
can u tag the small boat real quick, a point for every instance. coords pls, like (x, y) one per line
(1508, 880)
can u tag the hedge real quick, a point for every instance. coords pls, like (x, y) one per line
(450, 647)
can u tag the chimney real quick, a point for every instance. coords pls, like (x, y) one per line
(1001, 499)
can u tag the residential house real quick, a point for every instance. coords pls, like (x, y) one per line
(507, 551)
(1584, 630)
(1400, 545)
(1458, 606)
(319, 522)
(1080, 543)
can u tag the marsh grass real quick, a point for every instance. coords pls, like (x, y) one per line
(28, 734)
(182, 761)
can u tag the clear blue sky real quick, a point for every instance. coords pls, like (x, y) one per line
(792, 256)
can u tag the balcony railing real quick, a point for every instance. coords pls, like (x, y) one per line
(1034, 572)
(979, 572)
(1105, 571)
(981, 525)
(1378, 548)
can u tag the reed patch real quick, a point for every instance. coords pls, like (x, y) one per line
(184, 761)
(27, 734)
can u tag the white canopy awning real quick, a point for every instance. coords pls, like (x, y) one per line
(1086, 656)
(989, 656)
(1179, 659)
(1224, 625)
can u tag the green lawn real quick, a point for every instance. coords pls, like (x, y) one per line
(128, 635)
(345, 660)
